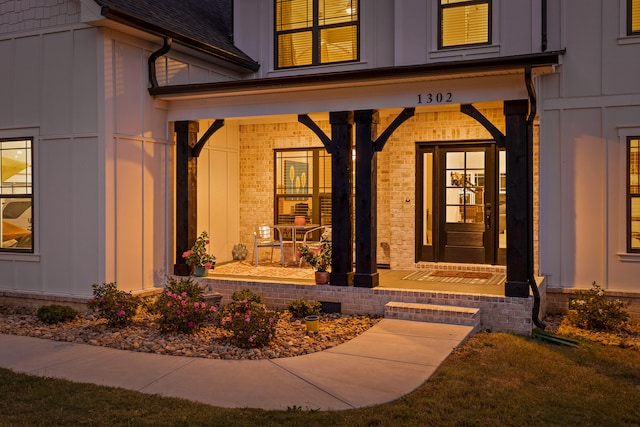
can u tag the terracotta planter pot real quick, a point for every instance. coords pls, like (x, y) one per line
(322, 277)
(300, 220)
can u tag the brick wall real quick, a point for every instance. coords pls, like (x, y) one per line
(498, 314)
(558, 300)
(25, 15)
(396, 173)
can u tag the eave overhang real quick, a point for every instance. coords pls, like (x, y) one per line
(231, 58)
(440, 70)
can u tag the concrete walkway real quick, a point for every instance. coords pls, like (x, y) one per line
(388, 361)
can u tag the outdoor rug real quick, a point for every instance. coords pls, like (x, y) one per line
(462, 277)
(264, 269)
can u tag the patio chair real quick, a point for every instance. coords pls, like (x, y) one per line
(325, 231)
(263, 237)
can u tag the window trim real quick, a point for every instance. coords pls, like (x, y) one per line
(630, 31)
(462, 4)
(314, 192)
(315, 29)
(9, 251)
(628, 195)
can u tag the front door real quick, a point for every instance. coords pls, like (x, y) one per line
(460, 203)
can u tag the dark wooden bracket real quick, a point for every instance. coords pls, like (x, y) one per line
(308, 122)
(472, 112)
(197, 148)
(405, 115)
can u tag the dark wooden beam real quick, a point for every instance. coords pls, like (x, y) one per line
(366, 274)
(518, 205)
(188, 149)
(186, 194)
(341, 197)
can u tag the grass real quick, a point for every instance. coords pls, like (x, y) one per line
(493, 379)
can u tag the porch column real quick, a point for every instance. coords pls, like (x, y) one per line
(186, 194)
(366, 275)
(518, 213)
(341, 194)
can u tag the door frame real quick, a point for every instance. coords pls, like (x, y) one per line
(435, 252)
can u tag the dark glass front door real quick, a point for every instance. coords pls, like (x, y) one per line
(459, 203)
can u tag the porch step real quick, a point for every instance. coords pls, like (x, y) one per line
(449, 314)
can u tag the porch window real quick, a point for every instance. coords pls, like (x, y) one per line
(464, 23)
(633, 195)
(16, 195)
(633, 17)
(303, 186)
(314, 32)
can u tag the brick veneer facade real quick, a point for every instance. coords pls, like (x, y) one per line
(396, 174)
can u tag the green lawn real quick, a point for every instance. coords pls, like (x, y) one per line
(492, 380)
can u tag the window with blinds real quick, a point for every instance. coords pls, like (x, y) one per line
(633, 17)
(314, 32)
(633, 195)
(302, 185)
(464, 23)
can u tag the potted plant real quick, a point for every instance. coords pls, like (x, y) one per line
(318, 257)
(198, 258)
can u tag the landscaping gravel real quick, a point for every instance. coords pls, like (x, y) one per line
(292, 338)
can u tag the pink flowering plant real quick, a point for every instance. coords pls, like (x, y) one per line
(318, 257)
(197, 256)
(181, 308)
(250, 323)
(110, 303)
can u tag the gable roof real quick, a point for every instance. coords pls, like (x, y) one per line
(205, 25)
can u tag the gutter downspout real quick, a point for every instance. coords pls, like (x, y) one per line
(543, 36)
(532, 280)
(154, 57)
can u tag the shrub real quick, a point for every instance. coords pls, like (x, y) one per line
(250, 323)
(592, 310)
(56, 313)
(246, 295)
(182, 312)
(301, 308)
(187, 285)
(110, 303)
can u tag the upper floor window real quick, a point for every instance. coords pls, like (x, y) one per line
(633, 17)
(633, 195)
(16, 195)
(464, 23)
(314, 32)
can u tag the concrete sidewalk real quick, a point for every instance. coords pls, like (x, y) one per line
(388, 361)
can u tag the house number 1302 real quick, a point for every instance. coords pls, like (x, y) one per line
(435, 98)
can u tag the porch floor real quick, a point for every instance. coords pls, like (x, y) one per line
(389, 279)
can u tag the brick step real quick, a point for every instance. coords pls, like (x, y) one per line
(449, 314)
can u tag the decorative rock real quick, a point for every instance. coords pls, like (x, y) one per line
(210, 342)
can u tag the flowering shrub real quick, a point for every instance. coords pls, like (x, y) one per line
(185, 284)
(246, 295)
(318, 257)
(197, 256)
(182, 312)
(592, 310)
(250, 323)
(110, 303)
